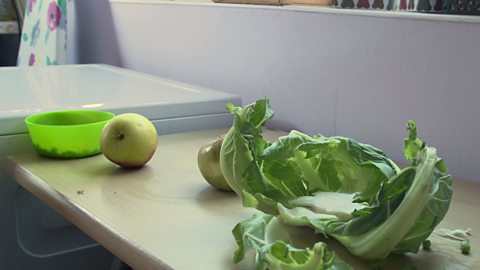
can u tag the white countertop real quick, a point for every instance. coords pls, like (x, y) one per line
(28, 90)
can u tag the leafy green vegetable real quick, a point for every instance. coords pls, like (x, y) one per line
(269, 238)
(336, 185)
(457, 234)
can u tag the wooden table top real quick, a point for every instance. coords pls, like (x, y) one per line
(166, 216)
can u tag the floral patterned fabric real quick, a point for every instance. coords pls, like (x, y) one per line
(44, 33)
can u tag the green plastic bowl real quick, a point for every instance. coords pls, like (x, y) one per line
(67, 134)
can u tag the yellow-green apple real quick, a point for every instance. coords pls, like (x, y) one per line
(208, 159)
(129, 140)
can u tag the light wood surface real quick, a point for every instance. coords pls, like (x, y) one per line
(165, 216)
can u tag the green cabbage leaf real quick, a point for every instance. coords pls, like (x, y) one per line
(337, 186)
(270, 239)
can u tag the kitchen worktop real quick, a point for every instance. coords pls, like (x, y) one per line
(166, 216)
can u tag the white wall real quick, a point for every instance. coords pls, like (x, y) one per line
(357, 76)
(94, 32)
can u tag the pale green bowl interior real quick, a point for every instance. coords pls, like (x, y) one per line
(67, 134)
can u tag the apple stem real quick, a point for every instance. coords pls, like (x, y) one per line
(120, 135)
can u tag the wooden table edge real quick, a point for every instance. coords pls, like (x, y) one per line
(100, 232)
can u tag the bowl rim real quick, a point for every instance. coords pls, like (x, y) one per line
(28, 119)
